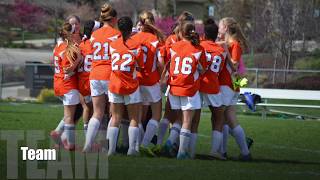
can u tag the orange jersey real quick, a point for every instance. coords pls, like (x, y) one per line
(215, 55)
(85, 68)
(125, 59)
(150, 46)
(62, 85)
(225, 75)
(169, 42)
(186, 62)
(100, 41)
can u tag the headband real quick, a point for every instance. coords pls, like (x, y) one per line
(96, 25)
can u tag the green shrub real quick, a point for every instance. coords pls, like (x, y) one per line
(47, 96)
(309, 62)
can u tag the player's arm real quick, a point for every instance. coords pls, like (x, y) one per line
(231, 62)
(139, 58)
(203, 63)
(161, 59)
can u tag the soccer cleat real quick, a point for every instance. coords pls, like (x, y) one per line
(249, 142)
(217, 155)
(169, 149)
(132, 152)
(95, 147)
(147, 152)
(183, 156)
(55, 136)
(156, 150)
(245, 157)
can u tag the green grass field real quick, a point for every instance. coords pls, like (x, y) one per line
(283, 149)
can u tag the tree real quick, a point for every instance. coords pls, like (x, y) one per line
(27, 16)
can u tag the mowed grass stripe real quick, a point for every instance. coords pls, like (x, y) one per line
(283, 149)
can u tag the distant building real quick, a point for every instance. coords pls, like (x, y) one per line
(197, 7)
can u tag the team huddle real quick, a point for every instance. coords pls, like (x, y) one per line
(116, 73)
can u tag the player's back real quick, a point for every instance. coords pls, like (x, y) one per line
(100, 40)
(215, 56)
(150, 46)
(184, 73)
(62, 85)
(125, 58)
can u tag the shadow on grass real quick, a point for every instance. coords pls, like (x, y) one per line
(259, 160)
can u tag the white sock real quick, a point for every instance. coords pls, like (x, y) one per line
(133, 138)
(92, 131)
(225, 132)
(216, 141)
(113, 138)
(109, 123)
(151, 130)
(174, 133)
(163, 126)
(240, 137)
(124, 133)
(69, 132)
(85, 128)
(59, 128)
(193, 143)
(185, 136)
(63, 136)
(141, 132)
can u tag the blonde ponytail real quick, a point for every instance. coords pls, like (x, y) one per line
(234, 31)
(72, 49)
(147, 21)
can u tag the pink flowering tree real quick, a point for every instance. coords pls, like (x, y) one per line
(27, 16)
(165, 24)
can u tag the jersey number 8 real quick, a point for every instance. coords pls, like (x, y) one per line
(216, 62)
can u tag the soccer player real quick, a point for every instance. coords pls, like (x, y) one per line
(231, 33)
(151, 39)
(84, 70)
(66, 59)
(126, 55)
(170, 115)
(210, 86)
(187, 61)
(101, 70)
(76, 23)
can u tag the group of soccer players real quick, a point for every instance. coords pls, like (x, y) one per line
(118, 71)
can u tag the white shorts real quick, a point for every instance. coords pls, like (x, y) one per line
(87, 99)
(71, 98)
(185, 102)
(133, 98)
(150, 94)
(99, 87)
(214, 100)
(229, 97)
